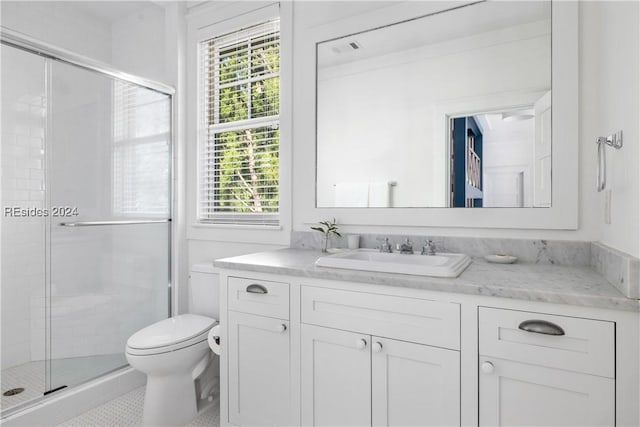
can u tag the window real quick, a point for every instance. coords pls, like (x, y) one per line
(239, 126)
(141, 155)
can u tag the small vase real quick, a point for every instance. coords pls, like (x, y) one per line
(325, 243)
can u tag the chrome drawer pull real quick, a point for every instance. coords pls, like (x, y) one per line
(541, 327)
(256, 289)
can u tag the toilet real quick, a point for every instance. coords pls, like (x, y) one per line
(174, 353)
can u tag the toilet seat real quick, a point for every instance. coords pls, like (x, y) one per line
(170, 334)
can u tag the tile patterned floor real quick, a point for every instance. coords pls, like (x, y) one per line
(29, 376)
(70, 371)
(126, 411)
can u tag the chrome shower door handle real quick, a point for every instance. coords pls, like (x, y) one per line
(113, 222)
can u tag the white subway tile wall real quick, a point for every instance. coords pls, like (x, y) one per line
(23, 185)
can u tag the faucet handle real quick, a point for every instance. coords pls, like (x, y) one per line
(386, 246)
(429, 247)
(406, 247)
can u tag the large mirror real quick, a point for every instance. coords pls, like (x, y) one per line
(447, 110)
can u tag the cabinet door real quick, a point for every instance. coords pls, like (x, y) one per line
(513, 393)
(259, 391)
(414, 384)
(336, 377)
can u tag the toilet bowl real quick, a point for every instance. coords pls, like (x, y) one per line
(172, 353)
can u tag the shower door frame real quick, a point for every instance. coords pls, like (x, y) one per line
(20, 41)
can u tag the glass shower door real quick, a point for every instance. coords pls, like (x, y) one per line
(109, 198)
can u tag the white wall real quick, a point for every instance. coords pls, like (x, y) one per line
(59, 23)
(610, 96)
(138, 43)
(131, 40)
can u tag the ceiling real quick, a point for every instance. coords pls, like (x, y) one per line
(110, 11)
(452, 24)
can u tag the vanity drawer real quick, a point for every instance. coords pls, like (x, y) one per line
(259, 297)
(585, 345)
(409, 319)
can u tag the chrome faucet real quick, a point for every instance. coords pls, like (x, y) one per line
(386, 246)
(406, 247)
(429, 248)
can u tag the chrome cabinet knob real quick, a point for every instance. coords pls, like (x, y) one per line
(487, 367)
(282, 328)
(361, 344)
(377, 347)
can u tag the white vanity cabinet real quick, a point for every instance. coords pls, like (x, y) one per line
(258, 352)
(316, 352)
(540, 369)
(355, 379)
(358, 378)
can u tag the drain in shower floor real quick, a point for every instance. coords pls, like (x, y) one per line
(13, 391)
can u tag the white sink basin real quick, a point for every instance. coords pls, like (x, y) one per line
(439, 265)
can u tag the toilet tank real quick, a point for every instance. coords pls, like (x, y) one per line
(204, 290)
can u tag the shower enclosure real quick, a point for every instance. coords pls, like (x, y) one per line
(86, 217)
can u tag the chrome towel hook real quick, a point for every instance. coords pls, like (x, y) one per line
(615, 141)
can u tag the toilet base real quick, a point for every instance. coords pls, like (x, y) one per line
(169, 400)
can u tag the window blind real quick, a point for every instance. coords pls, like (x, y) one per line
(239, 126)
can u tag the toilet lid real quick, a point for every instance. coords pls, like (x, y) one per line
(171, 331)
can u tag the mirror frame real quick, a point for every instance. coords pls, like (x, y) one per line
(563, 213)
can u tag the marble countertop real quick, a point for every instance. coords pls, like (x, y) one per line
(578, 286)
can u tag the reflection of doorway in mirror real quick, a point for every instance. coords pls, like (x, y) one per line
(504, 162)
(466, 156)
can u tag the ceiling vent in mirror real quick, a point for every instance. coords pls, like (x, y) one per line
(346, 47)
(516, 116)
